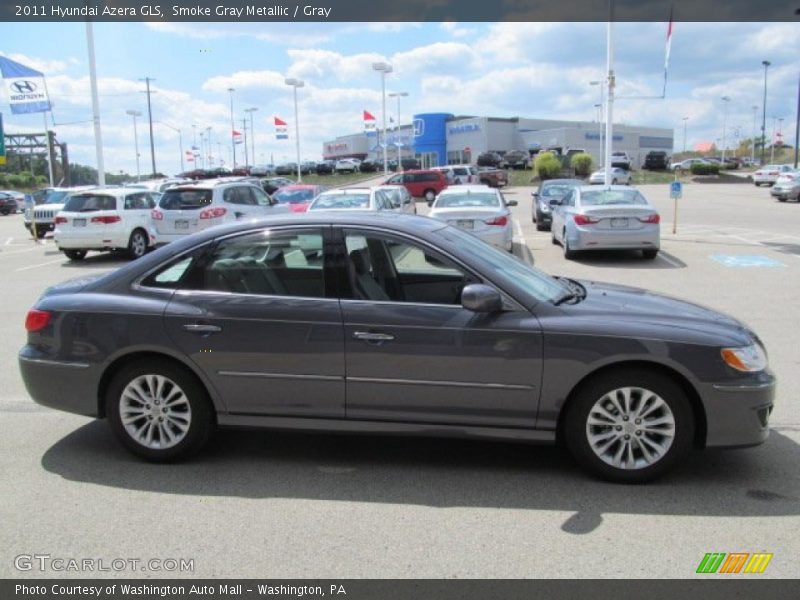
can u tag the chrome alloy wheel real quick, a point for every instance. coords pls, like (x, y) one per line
(630, 428)
(138, 244)
(155, 412)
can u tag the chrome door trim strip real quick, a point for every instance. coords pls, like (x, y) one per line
(464, 384)
(56, 363)
(744, 388)
(281, 375)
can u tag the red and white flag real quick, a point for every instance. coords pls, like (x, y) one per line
(281, 129)
(369, 123)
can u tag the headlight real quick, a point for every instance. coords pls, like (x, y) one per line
(544, 207)
(749, 359)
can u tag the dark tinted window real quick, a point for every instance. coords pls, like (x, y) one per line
(429, 177)
(90, 202)
(138, 201)
(185, 199)
(55, 197)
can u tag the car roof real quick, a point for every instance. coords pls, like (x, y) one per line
(562, 181)
(469, 189)
(112, 191)
(616, 188)
(299, 186)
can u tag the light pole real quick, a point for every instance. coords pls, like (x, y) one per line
(147, 81)
(233, 138)
(296, 83)
(209, 147)
(797, 125)
(726, 100)
(180, 142)
(766, 64)
(244, 142)
(772, 139)
(202, 146)
(252, 134)
(600, 120)
(755, 134)
(398, 95)
(383, 68)
(685, 119)
(134, 114)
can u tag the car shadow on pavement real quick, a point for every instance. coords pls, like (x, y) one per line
(628, 259)
(756, 482)
(99, 259)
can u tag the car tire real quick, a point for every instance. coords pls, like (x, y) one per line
(650, 254)
(6, 212)
(569, 254)
(609, 407)
(75, 255)
(541, 227)
(137, 244)
(781, 199)
(553, 239)
(613, 182)
(429, 196)
(135, 395)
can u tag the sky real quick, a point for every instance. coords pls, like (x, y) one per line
(537, 70)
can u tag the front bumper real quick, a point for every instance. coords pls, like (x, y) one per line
(737, 415)
(544, 218)
(785, 193)
(63, 385)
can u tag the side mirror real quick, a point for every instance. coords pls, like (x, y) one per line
(511, 202)
(555, 202)
(478, 297)
(535, 195)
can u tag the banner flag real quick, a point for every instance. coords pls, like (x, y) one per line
(281, 129)
(26, 87)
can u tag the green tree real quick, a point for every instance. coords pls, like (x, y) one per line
(581, 163)
(547, 165)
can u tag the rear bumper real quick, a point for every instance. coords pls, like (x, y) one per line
(784, 192)
(738, 415)
(78, 240)
(648, 237)
(63, 385)
(501, 239)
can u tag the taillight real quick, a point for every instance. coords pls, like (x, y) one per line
(212, 213)
(501, 221)
(655, 219)
(60, 220)
(584, 220)
(107, 220)
(156, 215)
(37, 320)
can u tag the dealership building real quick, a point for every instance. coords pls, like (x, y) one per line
(437, 139)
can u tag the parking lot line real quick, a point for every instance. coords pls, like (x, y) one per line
(8, 241)
(44, 264)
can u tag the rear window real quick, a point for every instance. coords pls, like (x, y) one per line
(341, 201)
(429, 176)
(617, 197)
(467, 200)
(294, 196)
(185, 199)
(90, 202)
(461, 171)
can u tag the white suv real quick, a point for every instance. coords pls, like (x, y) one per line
(459, 174)
(185, 209)
(104, 219)
(347, 165)
(48, 203)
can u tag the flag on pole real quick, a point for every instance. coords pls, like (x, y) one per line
(669, 48)
(281, 129)
(26, 87)
(369, 123)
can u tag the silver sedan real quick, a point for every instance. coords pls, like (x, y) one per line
(618, 176)
(479, 209)
(610, 218)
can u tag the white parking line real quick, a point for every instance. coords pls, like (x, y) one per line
(8, 241)
(44, 264)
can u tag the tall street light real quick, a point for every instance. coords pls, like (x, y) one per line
(600, 120)
(766, 64)
(753, 149)
(149, 92)
(252, 134)
(797, 126)
(296, 83)
(134, 114)
(398, 95)
(180, 142)
(233, 138)
(726, 100)
(685, 119)
(383, 68)
(209, 148)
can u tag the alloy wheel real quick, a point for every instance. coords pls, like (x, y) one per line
(155, 411)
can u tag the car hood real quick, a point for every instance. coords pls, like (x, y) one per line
(622, 306)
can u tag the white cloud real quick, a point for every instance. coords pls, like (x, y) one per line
(270, 80)
(48, 67)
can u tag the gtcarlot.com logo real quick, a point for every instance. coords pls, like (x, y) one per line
(47, 562)
(735, 562)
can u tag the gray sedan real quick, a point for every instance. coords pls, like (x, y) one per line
(611, 218)
(393, 324)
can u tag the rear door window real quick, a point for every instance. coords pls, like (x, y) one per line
(186, 199)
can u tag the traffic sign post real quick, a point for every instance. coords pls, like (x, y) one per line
(675, 192)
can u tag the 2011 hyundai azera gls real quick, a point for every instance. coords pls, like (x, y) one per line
(391, 323)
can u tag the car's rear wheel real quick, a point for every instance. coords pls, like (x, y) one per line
(650, 254)
(137, 244)
(569, 253)
(75, 254)
(629, 426)
(158, 410)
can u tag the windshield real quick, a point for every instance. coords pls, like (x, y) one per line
(341, 201)
(89, 203)
(467, 200)
(55, 197)
(537, 283)
(294, 196)
(606, 197)
(185, 199)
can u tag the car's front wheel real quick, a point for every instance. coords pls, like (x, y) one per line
(75, 254)
(629, 426)
(137, 244)
(159, 410)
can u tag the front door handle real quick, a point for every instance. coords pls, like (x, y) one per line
(369, 336)
(202, 328)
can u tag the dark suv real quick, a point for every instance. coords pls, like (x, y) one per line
(517, 159)
(656, 160)
(491, 159)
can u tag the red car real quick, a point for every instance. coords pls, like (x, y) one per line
(420, 184)
(298, 197)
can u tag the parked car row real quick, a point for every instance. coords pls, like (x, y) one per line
(787, 186)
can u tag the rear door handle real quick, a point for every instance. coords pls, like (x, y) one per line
(369, 336)
(201, 328)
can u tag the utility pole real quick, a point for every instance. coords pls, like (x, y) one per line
(147, 81)
(98, 135)
(210, 148)
(685, 119)
(252, 134)
(753, 149)
(726, 100)
(797, 125)
(611, 84)
(244, 139)
(233, 138)
(766, 64)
